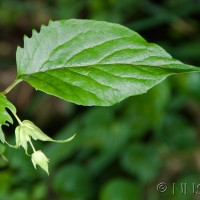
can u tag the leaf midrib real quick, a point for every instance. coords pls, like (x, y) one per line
(162, 67)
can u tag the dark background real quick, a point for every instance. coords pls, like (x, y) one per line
(120, 152)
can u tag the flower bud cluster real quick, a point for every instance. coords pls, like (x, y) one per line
(24, 134)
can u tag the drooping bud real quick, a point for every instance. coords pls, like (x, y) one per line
(38, 158)
(28, 130)
(34, 132)
(22, 137)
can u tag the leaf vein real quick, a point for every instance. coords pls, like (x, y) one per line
(92, 47)
(75, 86)
(97, 82)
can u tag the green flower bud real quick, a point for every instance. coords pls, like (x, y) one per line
(28, 130)
(22, 137)
(33, 131)
(38, 158)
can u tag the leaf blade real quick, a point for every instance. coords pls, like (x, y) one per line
(93, 63)
(5, 117)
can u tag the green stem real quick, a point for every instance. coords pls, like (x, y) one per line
(11, 86)
(17, 118)
(32, 146)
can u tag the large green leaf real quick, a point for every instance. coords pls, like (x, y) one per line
(93, 63)
(5, 117)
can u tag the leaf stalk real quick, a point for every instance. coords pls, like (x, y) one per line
(11, 86)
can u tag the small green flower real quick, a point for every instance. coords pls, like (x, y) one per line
(27, 130)
(22, 137)
(38, 158)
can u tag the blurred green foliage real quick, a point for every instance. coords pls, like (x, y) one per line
(121, 152)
